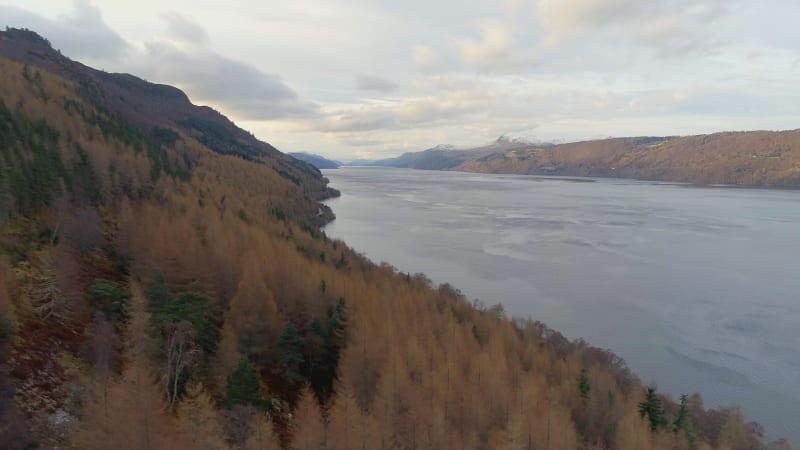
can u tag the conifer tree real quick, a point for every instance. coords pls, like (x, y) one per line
(683, 422)
(583, 384)
(308, 429)
(199, 421)
(652, 409)
(346, 419)
(109, 298)
(261, 435)
(157, 292)
(290, 356)
(243, 387)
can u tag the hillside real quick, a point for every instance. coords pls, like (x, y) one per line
(756, 158)
(320, 162)
(130, 105)
(167, 286)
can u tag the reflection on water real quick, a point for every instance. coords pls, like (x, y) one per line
(698, 289)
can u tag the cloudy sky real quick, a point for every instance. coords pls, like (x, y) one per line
(374, 78)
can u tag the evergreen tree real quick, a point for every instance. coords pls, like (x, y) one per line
(682, 419)
(583, 384)
(290, 355)
(243, 387)
(324, 348)
(157, 292)
(193, 307)
(651, 407)
(683, 422)
(110, 299)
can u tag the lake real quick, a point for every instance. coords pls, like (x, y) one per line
(698, 289)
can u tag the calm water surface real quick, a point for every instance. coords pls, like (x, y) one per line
(697, 288)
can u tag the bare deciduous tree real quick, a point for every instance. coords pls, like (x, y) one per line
(181, 354)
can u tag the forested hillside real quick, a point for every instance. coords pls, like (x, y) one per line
(755, 158)
(160, 291)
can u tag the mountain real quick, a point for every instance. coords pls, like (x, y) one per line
(755, 158)
(317, 161)
(124, 100)
(444, 157)
(164, 284)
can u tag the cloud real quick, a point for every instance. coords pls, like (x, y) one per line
(374, 83)
(357, 140)
(566, 16)
(425, 58)
(453, 102)
(184, 29)
(359, 118)
(670, 27)
(494, 46)
(82, 33)
(208, 77)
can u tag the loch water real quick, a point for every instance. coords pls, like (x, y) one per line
(697, 288)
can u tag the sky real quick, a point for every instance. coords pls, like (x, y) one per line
(375, 78)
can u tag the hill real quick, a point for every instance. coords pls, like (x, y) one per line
(443, 157)
(755, 158)
(129, 104)
(317, 161)
(166, 286)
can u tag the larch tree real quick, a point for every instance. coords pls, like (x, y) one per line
(199, 420)
(346, 419)
(134, 419)
(261, 435)
(307, 426)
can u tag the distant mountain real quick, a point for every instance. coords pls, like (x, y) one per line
(320, 162)
(444, 157)
(754, 158)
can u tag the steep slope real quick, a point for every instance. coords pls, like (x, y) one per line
(151, 107)
(157, 293)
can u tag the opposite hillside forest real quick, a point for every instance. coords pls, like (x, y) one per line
(164, 284)
(753, 158)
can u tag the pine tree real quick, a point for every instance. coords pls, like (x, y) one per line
(109, 298)
(157, 292)
(652, 409)
(683, 422)
(243, 387)
(290, 356)
(583, 384)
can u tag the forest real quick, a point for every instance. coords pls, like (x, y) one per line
(158, 293)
